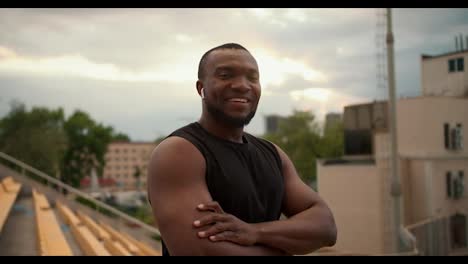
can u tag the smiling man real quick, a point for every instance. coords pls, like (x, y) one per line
(217, 190)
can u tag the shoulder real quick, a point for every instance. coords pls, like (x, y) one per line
(272, 147)
(173, 148)
(174, 164)
(176, 142)
(168, 156)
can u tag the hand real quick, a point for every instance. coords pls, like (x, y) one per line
(224, 227)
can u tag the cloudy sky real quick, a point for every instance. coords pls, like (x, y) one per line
(135, 69)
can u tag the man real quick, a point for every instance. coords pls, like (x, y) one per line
(217, 190)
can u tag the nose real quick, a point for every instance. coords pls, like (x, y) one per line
(241, 84)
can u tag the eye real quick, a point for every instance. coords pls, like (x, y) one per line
(253, 78)
(224, 75)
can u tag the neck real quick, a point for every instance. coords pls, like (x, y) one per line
(221, 130)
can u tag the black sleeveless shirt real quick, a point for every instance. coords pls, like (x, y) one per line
(244, 178)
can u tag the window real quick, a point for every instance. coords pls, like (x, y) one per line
(448, 181)
(456, 65)
(455, 184)
(458, 185)
(451, 65)
(453, 137)
(358, 142)
(460, 65)
(458, 231)
(458, 137)
(446, 135)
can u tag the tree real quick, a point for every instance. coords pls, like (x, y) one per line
(332, 145)
(88, 142)
(298, 135)
(36, 137)
(120, 137)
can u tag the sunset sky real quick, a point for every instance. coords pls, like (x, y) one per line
(135, 69)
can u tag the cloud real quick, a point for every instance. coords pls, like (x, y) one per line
(143, 110)
(78, 66)
(323, 100)
(274, 69)
(293, 82)
(128, 66)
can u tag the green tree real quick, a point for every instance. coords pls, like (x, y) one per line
(35, 137)
(332, 145)
(298, 135)
(145, 214)
(120, 137)
(88, 142)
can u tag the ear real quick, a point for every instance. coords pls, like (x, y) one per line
(199, 86)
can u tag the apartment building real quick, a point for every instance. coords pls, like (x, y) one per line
(445, 74)
(432, 165)
(124, 159)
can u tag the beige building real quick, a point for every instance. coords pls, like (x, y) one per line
(433, 163)
(123, 159)
(444, 75)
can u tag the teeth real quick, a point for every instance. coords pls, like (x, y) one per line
(238, 100)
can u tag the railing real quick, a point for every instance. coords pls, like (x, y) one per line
(154, 232)
(410, 242)
(434, 236)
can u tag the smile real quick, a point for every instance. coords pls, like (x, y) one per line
(238, 100)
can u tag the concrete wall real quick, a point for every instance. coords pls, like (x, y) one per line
(354, 194)
(421, 125)
(441, 203)
(436, 80)
(418, 200)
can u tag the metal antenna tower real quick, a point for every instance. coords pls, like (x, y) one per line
(381, 52)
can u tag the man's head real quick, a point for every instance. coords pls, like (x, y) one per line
(228, 77)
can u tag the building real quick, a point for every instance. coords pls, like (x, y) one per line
(123, 159)
(432, 162)
(272, 123)
(359, 123)
(331, 120)
(445, 75)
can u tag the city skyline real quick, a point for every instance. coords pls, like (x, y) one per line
(135, 69)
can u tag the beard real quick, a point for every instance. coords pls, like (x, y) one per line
(222, 117)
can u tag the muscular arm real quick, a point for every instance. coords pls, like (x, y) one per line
(176, 185)
(310, 224)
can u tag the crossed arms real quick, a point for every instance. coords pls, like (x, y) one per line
(177, 190)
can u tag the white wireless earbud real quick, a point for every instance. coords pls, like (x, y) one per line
(203, 93)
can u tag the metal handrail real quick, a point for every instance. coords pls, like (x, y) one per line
(412, 239)
(79, 193)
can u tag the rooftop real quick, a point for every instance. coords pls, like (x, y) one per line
(343, 161)
(425, 56)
